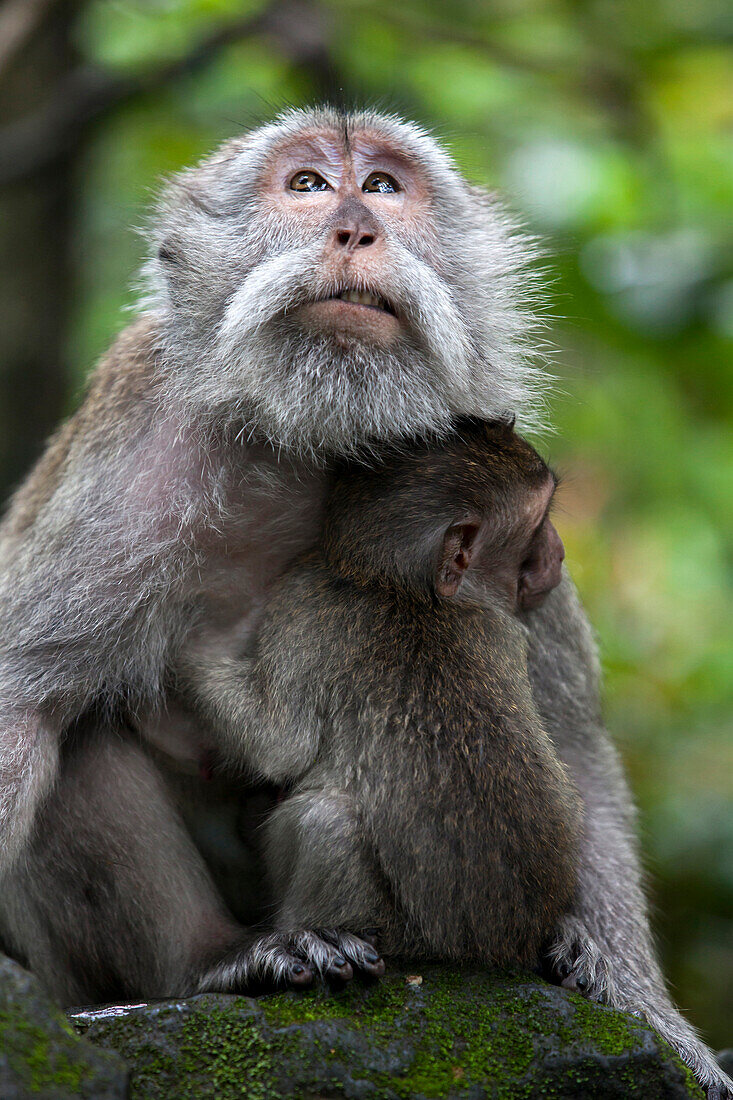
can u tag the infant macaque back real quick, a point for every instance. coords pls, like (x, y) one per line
(426, 803)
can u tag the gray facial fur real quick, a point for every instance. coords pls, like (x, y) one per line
(233, 271)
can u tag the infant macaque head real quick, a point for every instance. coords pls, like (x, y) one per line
(463, 519)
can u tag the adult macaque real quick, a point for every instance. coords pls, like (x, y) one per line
(323, 285)
(426, 802)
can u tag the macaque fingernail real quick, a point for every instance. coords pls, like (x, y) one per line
(339, 960)
(298, 969)
(371, 957)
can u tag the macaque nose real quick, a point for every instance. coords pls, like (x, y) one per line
(354, 226)
(354, 236)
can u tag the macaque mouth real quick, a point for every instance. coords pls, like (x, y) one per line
(363, 298)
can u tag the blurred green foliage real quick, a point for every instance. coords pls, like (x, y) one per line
(608, 126)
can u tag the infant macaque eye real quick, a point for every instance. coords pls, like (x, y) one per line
(308, 180)
(382, 183)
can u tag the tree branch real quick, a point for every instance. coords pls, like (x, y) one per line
(457, 35)
(36, 142)
(18, 21)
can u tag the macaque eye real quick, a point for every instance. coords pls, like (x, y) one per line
(307, 180)
(382, 183)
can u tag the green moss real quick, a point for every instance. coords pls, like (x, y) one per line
(213, 1054)
(608, 1033)
(35, 1057)
(226, 1052)
(453, 1044)
(613, 1033)
(455, 1030)
(462, 1045)
(690, 1080)
(373, 1006)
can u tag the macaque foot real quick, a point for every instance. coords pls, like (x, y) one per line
(577, 963)
(292, 960)
(264, 964)
(332, 954)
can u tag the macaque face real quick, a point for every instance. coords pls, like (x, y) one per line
(331, 281)
(357, 198)
(358, 334)
(528, 564)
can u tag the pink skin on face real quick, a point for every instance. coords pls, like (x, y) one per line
(359, 221)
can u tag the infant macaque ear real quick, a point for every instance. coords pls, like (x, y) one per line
(459, 545)
(541, 571)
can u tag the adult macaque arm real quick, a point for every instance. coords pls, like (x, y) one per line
(610, 912)
(92, 571)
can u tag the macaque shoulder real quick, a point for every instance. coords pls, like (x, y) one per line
(117, 404)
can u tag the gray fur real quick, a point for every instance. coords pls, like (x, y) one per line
(157, 509)
(279, 958)
(103, 548)
(110, 896)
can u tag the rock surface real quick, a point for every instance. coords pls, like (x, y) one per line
(40, 1055)
(454, 1034)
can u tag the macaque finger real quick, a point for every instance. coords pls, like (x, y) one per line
(322, 955)
(339, 971)
(360, 952)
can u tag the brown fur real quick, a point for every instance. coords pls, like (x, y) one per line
(428, 801)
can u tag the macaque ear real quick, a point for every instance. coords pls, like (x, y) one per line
(459, 545)
(541, 571)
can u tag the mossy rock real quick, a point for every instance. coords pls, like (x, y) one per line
(40, 1054)
(443, 1033)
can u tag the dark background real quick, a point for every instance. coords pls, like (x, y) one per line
(608, 126)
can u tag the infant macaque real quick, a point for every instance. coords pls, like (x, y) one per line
(388, 692)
